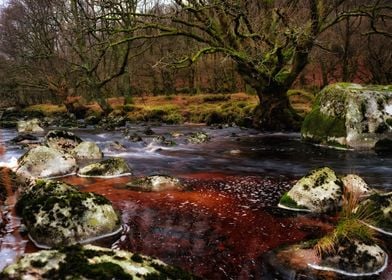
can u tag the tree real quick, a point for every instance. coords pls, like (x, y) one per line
(270, 41)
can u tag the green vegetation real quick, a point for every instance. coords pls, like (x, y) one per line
(286, 200)
(45, 110)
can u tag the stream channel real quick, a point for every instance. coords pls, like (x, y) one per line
(227, 219)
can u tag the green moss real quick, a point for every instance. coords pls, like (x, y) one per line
(137, 258)
(169, 272)
(286, 200)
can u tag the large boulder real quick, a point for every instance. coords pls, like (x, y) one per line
(64, 141)
(41, 162)
(87, 150)
(378, 209)
(320, 191)
(29, 126)
(356, 185)
(112, 167)
(155, 183)
(58, 214)
(350, 115)
(90, 263)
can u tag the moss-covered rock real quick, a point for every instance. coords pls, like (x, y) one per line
(43, 162)
(352, 257)
(350, 115)
(29, 126)
(92, 263)
(378, 207)
(58, 214)
(155, 183)
(87, 150)
(112, 167)
(61, 140)
(319, 192)
(198, 138)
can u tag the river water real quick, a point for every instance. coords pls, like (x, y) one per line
(227, 219)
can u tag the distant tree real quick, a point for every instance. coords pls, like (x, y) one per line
(270, 40)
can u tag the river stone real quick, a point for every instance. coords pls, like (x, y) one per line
(43, 162)
(161, 140)
(356, 185)
(155, 183)
(320, 191)
(198, 138)
(58, 214)
(378, 207)
(29, 126)
(91, 263)
(87, 150)
(350, 115)
(112, 167)
(354, 258)
(64, 141)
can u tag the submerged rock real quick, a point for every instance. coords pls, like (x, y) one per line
(352, 257)
(29, 126)
(58, 214)
(350, 115)
(161, 140)
(319, 192)
(155, 183)
(64, 141)
(87, 150)
(378, 207)
(112, 167)
(90, 262)
(198, 138)
(43, 162)
(24, 139)
(355, 185)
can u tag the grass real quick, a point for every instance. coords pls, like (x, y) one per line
(46, 109)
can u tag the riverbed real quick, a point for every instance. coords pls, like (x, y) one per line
(220, 227)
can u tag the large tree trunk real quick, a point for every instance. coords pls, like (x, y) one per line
(274, 112)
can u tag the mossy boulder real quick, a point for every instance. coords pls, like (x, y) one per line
(29, 126)
(62, 140)
(112, 167)
(155, 183)
(91, 263)
(378, 207)
(320, 191)
(86, 151)
(58, 214)
(41, 162)
(352, 257)
(161, 140)
(350, 115)
(198, 138)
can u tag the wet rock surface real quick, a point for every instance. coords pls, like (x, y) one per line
(155, 183)
(356, 185)
(43, 162)
(91, 262)
(57, 214)
(198, 138)
(320, 191)
(64, 141)
(29, 126)
(87, 151)
(350, 115)
(107, 168)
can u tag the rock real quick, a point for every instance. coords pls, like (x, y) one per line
(87, 150)
(155, 183)
(319, 192)
(112, 167)
(61, 140)
(30, 126)
(24, 139)
(161, 140)
(43, 162)
(378, 207)
(116, 147)
(198, 138)
(134, 137)
(356, 185)
(148, 131)
(92, 120)
(90, 263)
(350, 115)
(58, 214)
(351, 257)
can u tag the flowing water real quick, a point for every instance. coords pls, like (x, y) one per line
(221, 226)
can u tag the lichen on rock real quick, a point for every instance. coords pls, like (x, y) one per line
(319, 192)
(155, 183)
(350, 115)
(61, 140)
(29, 126)
(355, 185)
(198, 138)
(58, 214)
(92, 263)
(112, 167)
(87, 151)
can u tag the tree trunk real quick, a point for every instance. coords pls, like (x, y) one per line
(274, 112)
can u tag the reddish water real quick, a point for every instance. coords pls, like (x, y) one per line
(218, 229)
